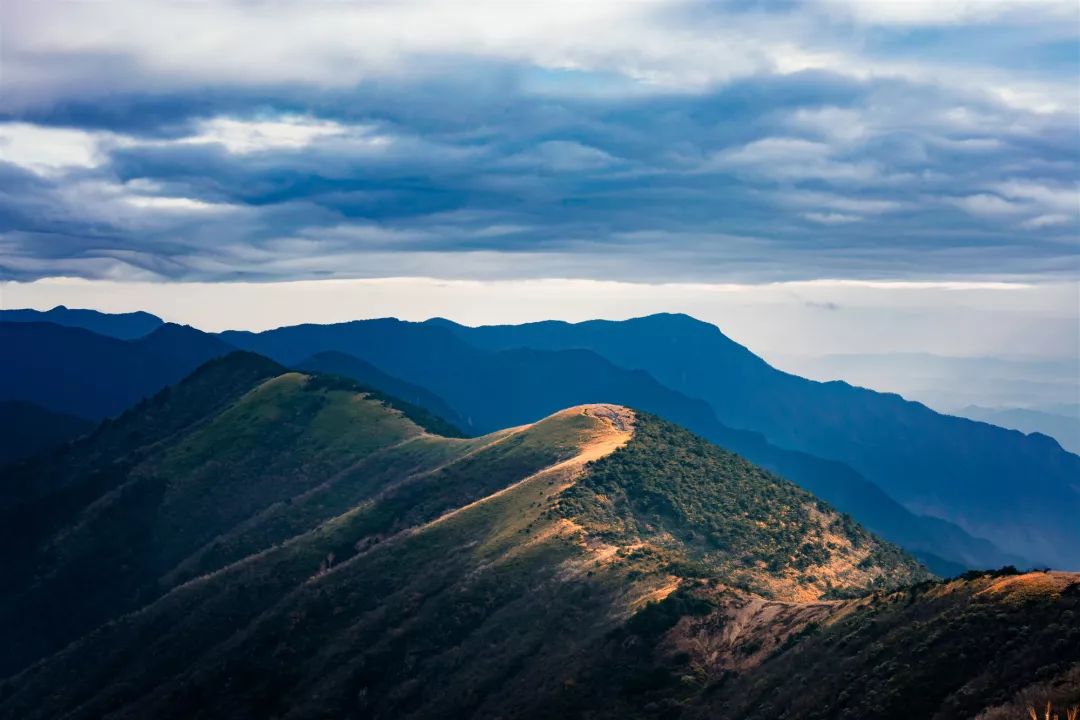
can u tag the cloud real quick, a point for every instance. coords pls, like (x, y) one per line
(831, 218)
(656, 140)
(1041, 221)
(791, 159)
(47, 150)
(247, 136)
(927, 13)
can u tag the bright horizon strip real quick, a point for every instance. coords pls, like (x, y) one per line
(825, 316)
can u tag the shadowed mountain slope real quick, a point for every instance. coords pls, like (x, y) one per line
(74, 371)
(27, 429)
(492, 389)
(256, 543)
(1018, 489)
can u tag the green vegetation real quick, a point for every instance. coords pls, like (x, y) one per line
(715, 515)
(427, 420)
(937, 650)
(200, 475)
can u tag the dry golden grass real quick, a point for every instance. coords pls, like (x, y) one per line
(1050, 714)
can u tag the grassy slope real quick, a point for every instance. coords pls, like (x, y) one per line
(165, 493)
(936, 651)
(361, 371)
(192, 619)
(386, 611)
(978, 647)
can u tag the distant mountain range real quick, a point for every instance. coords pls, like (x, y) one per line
(255, 542)
(948, 383)
(78, 372)
(1065, 428)
(935, 484)
(124, 326)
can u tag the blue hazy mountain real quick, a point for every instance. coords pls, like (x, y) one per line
(1065, 428)
(78, 372)
(27, 429)
(125, 326)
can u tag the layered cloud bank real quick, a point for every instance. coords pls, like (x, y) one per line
(641, 141)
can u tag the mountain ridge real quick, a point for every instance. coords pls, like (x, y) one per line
(55, 361)
(480, 519)
(123, 326)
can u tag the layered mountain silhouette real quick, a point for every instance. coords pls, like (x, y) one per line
(125, 326)
(912, 475)
(258, 542)
(1063, 426)
(75, 371)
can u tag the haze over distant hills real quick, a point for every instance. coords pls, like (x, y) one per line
(948, 384)
(1063, 426)
(125, 326)
(71, 370)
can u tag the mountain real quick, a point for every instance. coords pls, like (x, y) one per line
(1063, 428)
(301, 547)
(598, 563)
(1019, 490)
(77, 372)
(490, 389)
(335, 363)
(184, 482)
(27, 429)
(256, 542)
(125, 326)
(946, 383)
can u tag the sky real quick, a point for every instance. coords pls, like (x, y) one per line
(817, 177)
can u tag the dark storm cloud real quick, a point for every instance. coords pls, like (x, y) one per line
(500, 167)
